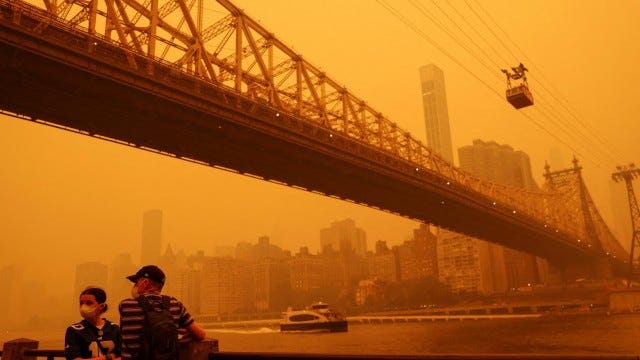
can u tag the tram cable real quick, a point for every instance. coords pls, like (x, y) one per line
(421, 33)
(424, 11)
(613, 153)
(562, 123)
(559, 118)
(506, 62)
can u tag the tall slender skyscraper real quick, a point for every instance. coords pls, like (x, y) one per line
(436, 113)
(151, 237)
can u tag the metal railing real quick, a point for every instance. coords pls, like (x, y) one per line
(51, 354)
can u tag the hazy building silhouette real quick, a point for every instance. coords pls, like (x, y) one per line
(417, 258)
(221, 287)
(244, 251)
(436, 113)
(225, 251)
(368, 290)
(305, 271)
(90, 273)
(464, 264)
(381, 247)
(263, 249)
(11, 295)
(501, 164)
(177, 271)
(151, 237)
(383, 267)
(344, 237)
(192, 296)
(341, 270)
(383, 264)
(119, 287)
(272, 284)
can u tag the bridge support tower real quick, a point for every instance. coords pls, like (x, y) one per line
(627, 173)
(570, 185)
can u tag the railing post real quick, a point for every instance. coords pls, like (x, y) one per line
(14, 349)
(194, 350)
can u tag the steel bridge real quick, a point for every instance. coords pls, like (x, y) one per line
(160, 75)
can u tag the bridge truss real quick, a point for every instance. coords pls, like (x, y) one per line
(181, 38)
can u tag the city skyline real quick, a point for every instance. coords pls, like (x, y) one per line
(213, 275)
(87, 194)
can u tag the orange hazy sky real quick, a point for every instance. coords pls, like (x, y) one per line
(67, 198)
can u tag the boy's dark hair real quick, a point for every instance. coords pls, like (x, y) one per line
(99, 294)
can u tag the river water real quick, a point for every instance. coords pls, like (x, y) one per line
(570, 335)
(579, 334)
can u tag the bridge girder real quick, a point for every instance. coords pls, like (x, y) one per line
(56, 72)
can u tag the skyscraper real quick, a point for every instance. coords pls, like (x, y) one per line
(501, 164)
(436, 113)
(119, 286)
(89, 273)
(344, 236)
(11, 284)
(151, 237)
(222, 286)
(418, 257)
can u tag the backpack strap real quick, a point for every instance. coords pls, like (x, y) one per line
(166, 303)
(147, 307)
(145, 304)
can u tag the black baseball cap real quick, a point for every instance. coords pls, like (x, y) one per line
(150, 272)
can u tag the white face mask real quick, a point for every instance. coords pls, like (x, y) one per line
(134, 292)
(87, 312)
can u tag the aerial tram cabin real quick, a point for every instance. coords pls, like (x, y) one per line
(519, 95)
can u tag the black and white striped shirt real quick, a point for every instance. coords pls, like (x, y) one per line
(132, 321)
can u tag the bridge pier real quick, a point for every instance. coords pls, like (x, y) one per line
(14, 349)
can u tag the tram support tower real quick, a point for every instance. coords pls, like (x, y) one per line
(628, 173)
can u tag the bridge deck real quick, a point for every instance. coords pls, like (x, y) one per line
(75, 81)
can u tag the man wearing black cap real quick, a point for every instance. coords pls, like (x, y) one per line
(148, 283)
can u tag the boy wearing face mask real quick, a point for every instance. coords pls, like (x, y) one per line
(94, 337)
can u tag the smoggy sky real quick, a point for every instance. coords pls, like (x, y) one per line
(67, 198)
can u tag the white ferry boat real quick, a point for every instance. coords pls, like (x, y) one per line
(318, 318)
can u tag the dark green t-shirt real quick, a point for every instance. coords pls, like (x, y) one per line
(84, 340)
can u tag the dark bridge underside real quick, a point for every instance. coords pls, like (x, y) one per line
(180, 115)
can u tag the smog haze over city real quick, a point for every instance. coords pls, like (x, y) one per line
(68, 198)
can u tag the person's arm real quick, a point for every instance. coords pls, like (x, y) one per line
(196, 332)
(188, 323)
